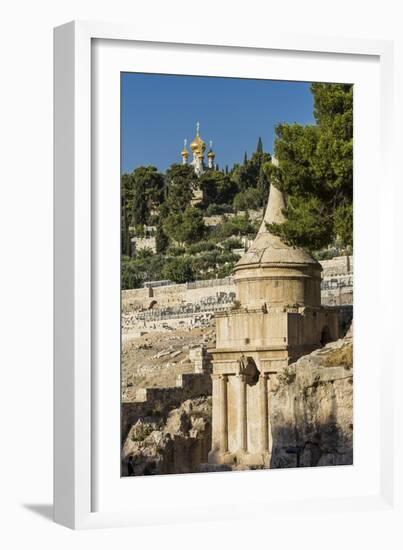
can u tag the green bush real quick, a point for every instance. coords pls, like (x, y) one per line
(178, 270)
(185, 228)
(175, 250)
(201, 246)
(232, 243)
(250, 199)
(135, 271)
(237, 225)
(217, 209)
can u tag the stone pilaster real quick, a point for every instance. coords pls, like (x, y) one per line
(242, 413)
(268, 386)
(215, 436)
(223, 429)
(264, 412)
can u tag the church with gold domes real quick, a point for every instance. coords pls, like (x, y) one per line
(198, 148)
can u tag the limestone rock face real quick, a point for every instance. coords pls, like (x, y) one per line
(176, 446)
(312, 409)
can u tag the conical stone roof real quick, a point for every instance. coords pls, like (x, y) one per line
(268, 249)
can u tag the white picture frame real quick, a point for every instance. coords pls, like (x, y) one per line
(78, 208)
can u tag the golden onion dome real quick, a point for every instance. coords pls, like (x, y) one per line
(211, 153)
(184, 152)
(198, 145)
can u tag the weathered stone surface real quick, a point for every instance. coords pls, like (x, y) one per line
(179, 352)
(279, 319)
(160, 401)
(312, 409)
(190, 304)
(179, 445)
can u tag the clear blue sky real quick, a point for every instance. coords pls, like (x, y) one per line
(159, 111)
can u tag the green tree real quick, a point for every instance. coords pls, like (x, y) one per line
(180, 183)
(147, 191)
(126, 190)
(172, 226)
(247, 175)
(250, 199)
(263, 182)
(343, 224)
(178, 270)
(193, 228)
(145, 267)
(154, 188)
(125, 233)
(186, 228)
(161, 239)
(237, 225)
(217, 188)
(316, 171)
(232, 243)
(126, 201)
(130, 278)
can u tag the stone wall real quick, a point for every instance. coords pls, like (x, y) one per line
(341, 265)
(337, 281)
(174, 295)
(337, 288)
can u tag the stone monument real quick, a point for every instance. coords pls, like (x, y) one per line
(277, 318)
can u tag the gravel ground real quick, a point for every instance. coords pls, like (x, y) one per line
(154, 360)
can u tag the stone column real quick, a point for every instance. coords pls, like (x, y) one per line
(215, 436)
(242, 413)
(264, 412)
(268, 385)
(224, 413)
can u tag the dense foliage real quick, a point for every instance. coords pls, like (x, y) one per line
(314, 170)
(185, 248)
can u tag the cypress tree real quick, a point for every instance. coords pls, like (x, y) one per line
(125, 238)
(161, 240)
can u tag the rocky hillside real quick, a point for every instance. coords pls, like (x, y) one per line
(176, 446)
(155, 360)
(312, 409)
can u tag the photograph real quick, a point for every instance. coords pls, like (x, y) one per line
(236, 263)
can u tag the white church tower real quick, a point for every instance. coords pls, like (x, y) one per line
(198, 148)
(185, 153)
